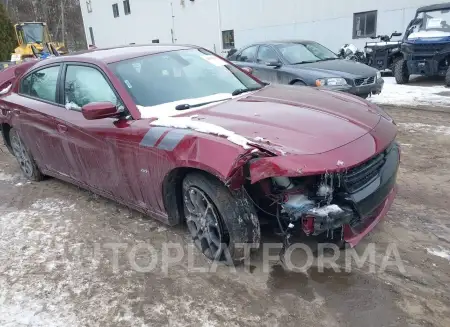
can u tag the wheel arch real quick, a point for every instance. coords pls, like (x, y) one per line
(394, 57)
(295, 80)
(5, 128)
(172, 191)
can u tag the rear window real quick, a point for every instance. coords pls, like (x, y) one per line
(41, 84)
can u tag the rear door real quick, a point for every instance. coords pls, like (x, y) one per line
(34, 108)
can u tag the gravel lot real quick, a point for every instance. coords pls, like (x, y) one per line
(57, 268)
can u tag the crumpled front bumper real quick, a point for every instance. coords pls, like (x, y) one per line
(360, 210)
(352, 236)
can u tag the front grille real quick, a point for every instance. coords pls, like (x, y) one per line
(423, 51)
(365, 81)
(428, 47)
(359, 176)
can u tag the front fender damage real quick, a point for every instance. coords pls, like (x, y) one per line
(295, 197)
(298, 192)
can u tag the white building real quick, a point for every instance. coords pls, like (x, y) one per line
(220, 24)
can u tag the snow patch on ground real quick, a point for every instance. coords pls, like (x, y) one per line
(25, 252)
(7, 177)
(411, 95)
(419, 127)
(202, 127)
(441, 252)
(22, 310)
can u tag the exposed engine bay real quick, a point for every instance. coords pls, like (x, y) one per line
(325, 204)
(308, 202)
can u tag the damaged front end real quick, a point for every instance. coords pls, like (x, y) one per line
(342, 205)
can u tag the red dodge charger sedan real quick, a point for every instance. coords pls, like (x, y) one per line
(185, 136)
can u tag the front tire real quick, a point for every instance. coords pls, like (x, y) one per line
(220, 223)
(401, 72)
(24, 157)
(392, 65)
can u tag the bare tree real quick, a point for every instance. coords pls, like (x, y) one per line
(50, 12)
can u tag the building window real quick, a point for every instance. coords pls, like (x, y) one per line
(115, 10)
(89, 5)
(91, 32)
(364, 24)
(228, 39)
(126, 7)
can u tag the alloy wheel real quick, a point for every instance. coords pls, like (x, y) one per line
(204, 223)
(22, 155)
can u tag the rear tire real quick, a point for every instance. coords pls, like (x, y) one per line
(24, 157)
(219, 221)
(401, 72)
(447, 77)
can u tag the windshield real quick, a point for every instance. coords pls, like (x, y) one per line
(296, 53)
(436, 20)
(178, 75)
(32, 33)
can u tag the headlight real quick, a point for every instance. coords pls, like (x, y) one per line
(369, 50)
(333, 81)
(378, 75)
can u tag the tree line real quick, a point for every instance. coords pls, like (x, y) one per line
(57, 14)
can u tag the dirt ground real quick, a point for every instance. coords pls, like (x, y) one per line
(57, 268)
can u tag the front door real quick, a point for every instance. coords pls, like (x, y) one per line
(264, 69)
(246, 58)
(102, 153)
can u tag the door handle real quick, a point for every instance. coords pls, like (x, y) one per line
(16, 112)
(62, 128)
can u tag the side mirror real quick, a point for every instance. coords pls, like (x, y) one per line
(273, 63)
(99, 110)
(248, 70)
(396, 34)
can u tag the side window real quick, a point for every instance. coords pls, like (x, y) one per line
(84, 85)
(41, 84)
(247, 55)
(266, 54)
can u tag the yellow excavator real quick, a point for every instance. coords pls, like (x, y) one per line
(34, 41)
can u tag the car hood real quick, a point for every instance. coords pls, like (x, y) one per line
(339, 67)
(294, 120)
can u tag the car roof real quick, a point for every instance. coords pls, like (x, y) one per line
(110, 55)
(439, 6)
